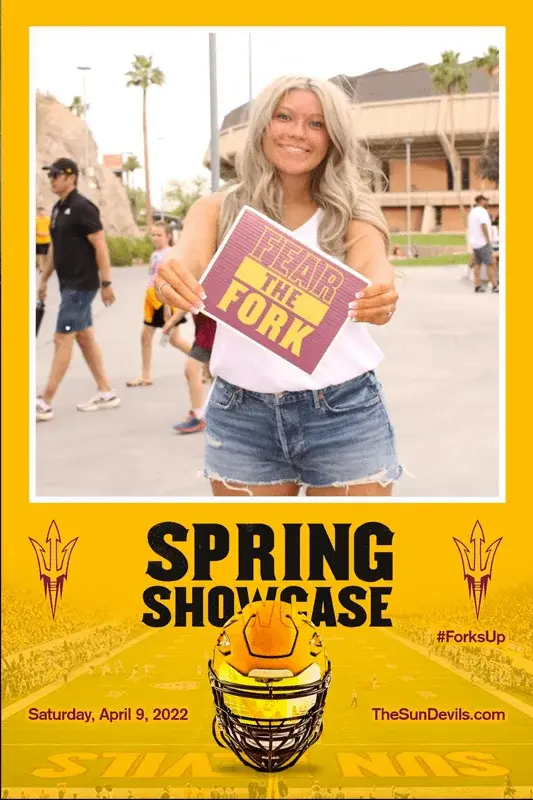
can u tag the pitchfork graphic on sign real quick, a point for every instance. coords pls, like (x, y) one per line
(477, 564)
(53, 564)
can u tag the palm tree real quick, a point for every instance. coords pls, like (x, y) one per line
(129, 167)
(490, 62)
(77, 107)
(144, 74)
(450, 77)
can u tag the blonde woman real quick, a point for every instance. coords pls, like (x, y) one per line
(272, 428)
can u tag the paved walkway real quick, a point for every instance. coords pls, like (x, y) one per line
(440, 376)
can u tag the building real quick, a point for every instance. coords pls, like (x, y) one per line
(391, 107)
(115, 163)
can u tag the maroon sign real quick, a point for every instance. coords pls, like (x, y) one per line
(276, 291)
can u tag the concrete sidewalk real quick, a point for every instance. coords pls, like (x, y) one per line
(440, 376)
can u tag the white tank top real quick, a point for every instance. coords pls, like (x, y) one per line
(246, 364)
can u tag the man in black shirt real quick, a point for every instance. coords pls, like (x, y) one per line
(79, 256)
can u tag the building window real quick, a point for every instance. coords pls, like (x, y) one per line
(450, 176)
(438, 216)
(385, 166)
(465, 173)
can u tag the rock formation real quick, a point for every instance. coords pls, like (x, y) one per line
(61, 133)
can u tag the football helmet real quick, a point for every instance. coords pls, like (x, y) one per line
(270, 676)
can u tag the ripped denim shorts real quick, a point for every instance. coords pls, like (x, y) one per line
(336, 436)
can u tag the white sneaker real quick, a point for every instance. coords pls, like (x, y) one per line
(43, 412)
(98, 403)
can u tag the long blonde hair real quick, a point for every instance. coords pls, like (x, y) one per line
(337, 184)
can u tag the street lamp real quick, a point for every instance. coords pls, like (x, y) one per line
(215, 158)
(84, 70)
(249, 74)
(408, 143)
(161, 189)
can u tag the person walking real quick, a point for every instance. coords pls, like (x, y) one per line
(479, 226)
(197, 372)
(156, 313)
(79, 256)
(42, 237)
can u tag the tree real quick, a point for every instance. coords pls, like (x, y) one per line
(490, 62)
(129, 167)
(137, 198)
(488, 165)
(144, 75)
(450, 77)
(184, 197)
(77, 107)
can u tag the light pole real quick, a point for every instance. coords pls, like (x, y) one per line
(408, 143)
(250, 95)
(161, 190)
(215, 158)
(84, 70)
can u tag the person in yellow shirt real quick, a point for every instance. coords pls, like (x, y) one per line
(42, 237)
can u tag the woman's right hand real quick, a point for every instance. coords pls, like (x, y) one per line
(176, 286)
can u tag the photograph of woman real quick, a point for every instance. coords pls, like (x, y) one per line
(271, 428)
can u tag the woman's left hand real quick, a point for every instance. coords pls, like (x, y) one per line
(376, 304)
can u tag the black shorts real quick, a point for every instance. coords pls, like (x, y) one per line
(483, 255)
(42, 249)
(158, 318)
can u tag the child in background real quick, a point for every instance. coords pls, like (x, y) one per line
(196, 369)
(42, 237)
(156, 313)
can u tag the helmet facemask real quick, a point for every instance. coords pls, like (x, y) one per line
(269, 720)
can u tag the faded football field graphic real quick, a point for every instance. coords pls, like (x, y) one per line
(354, 750)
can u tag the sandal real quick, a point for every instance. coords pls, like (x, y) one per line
(138, 382)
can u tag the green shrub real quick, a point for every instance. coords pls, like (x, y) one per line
(143, 248)
(125, 250)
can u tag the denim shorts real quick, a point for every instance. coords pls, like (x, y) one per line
(337, 436)
(75, 310)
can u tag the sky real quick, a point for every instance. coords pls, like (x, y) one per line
(179, 111)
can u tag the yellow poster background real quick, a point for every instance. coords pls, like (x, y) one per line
(367, 757)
